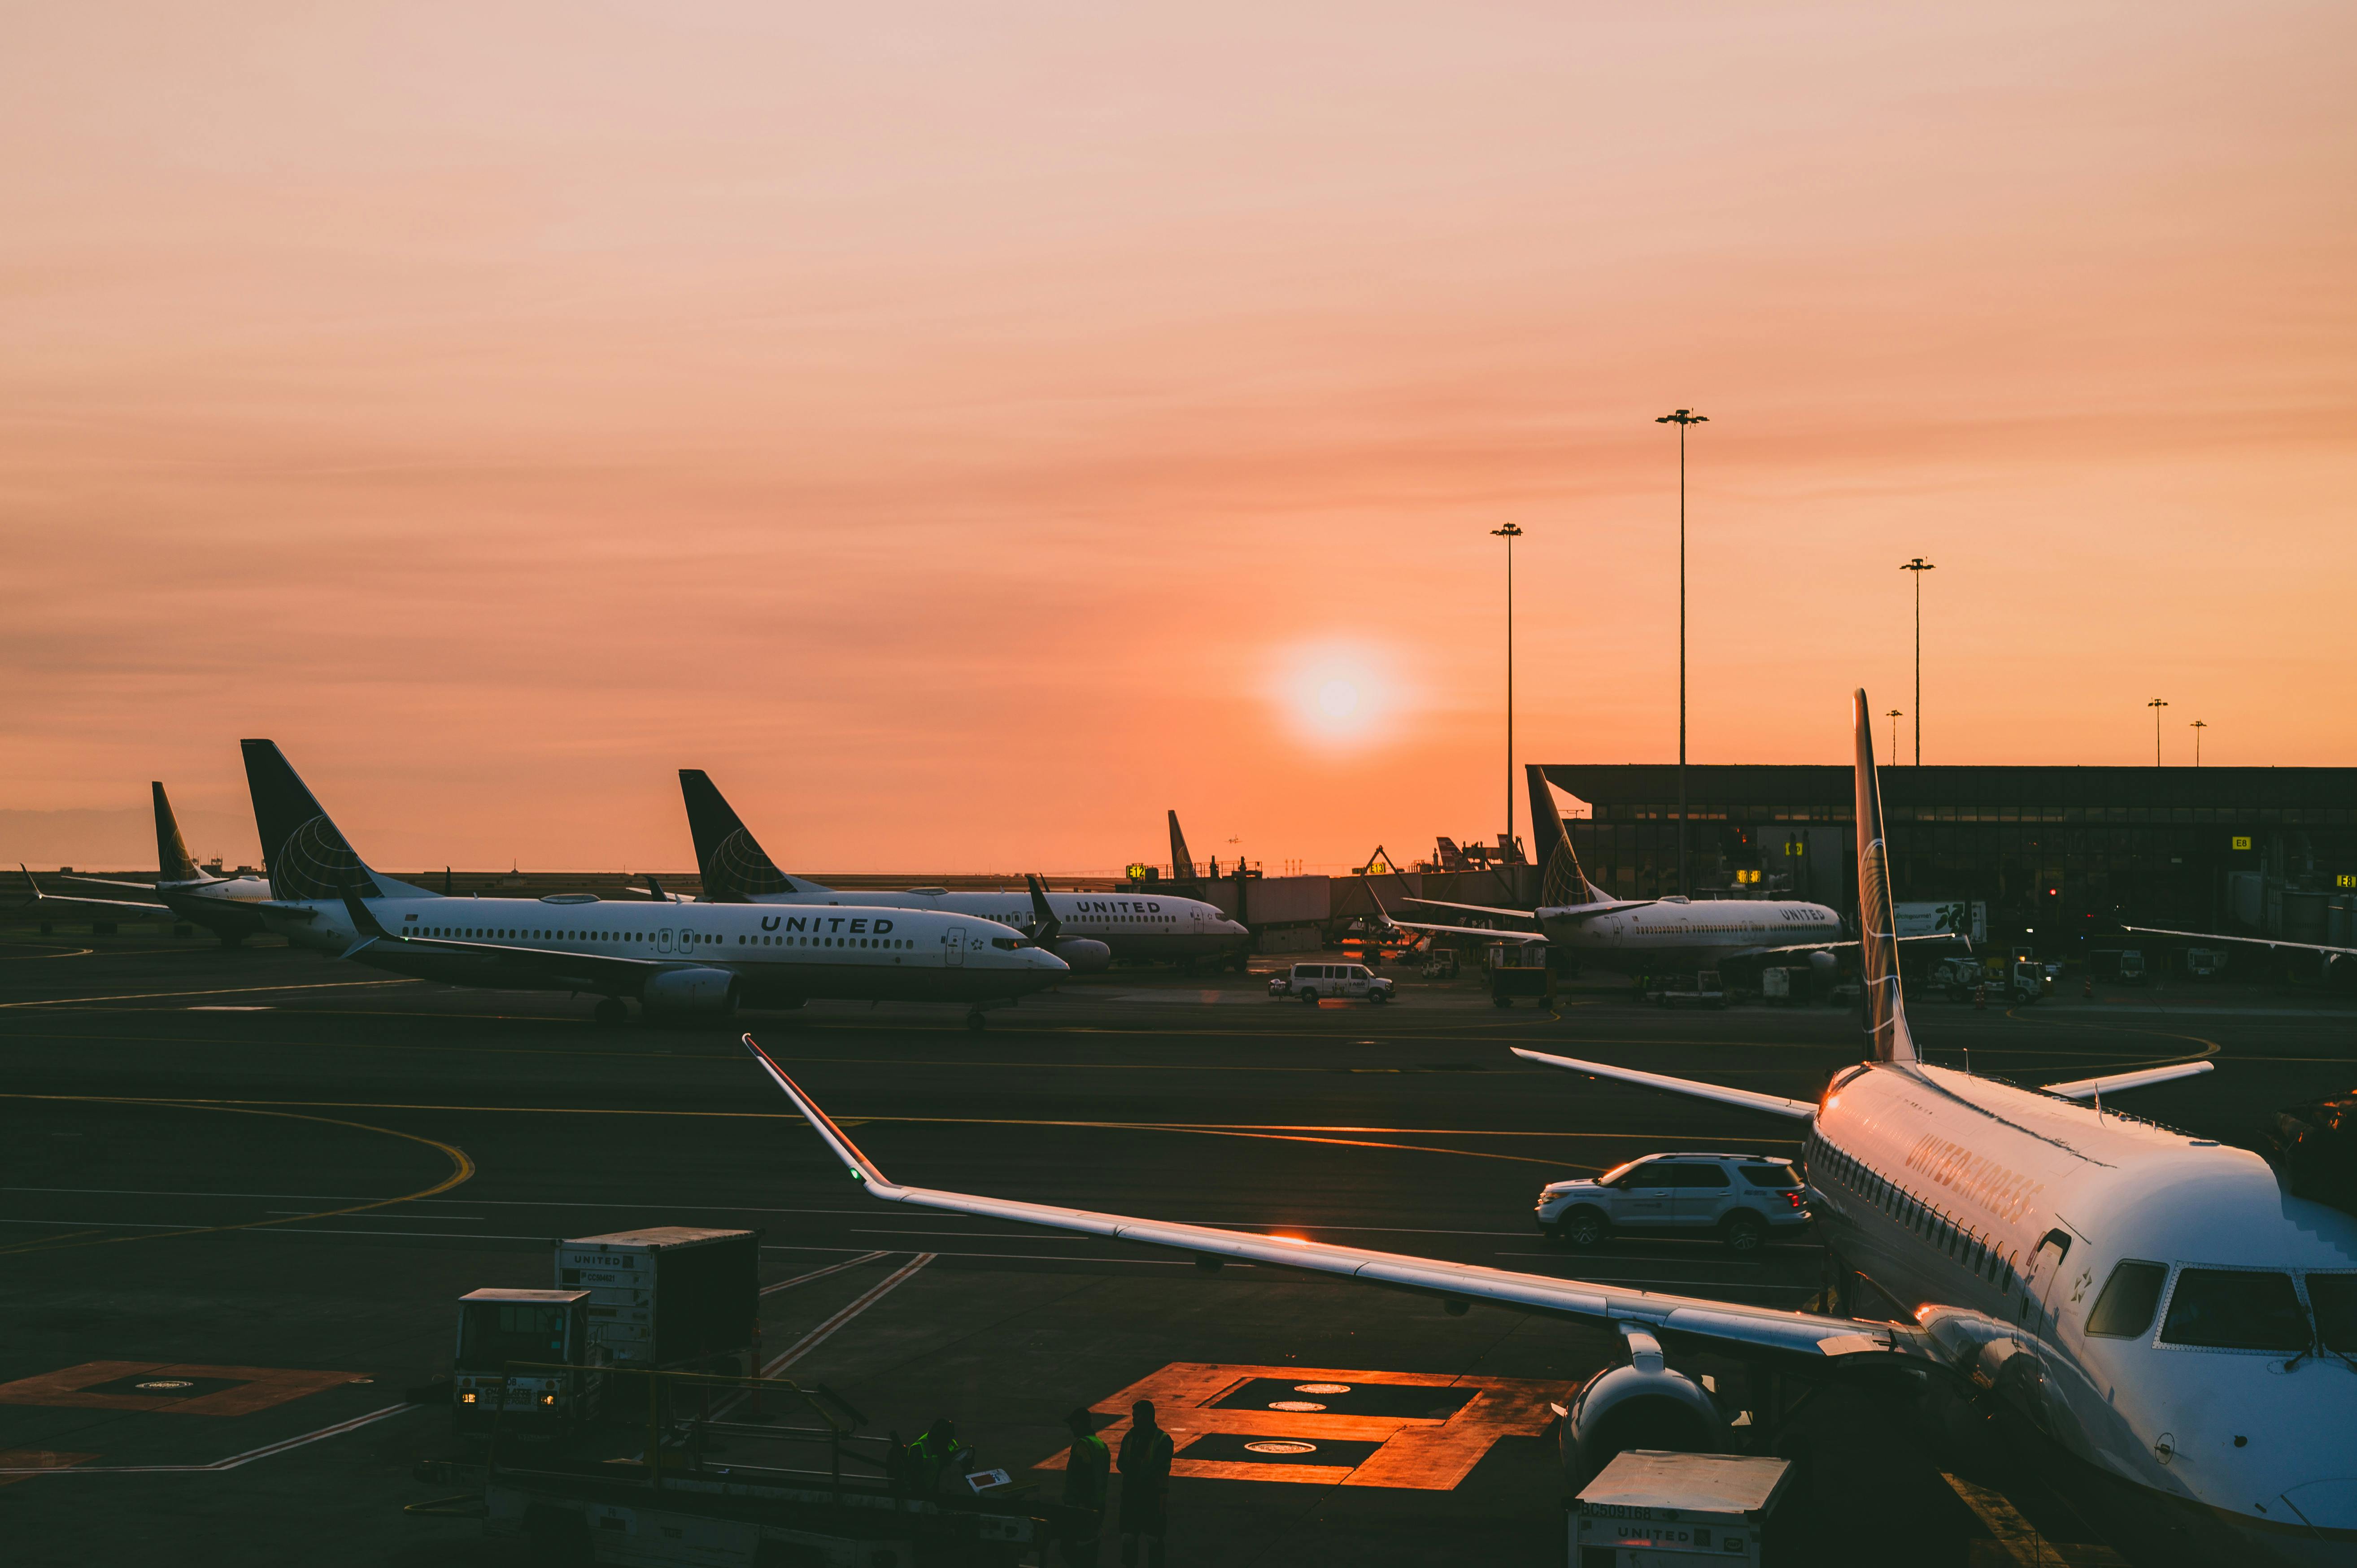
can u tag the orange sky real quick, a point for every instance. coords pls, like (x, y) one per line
(957, 428)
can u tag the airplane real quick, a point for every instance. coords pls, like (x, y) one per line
(2165, 1310)
(686, 961)
(226, 906)
(1093, 929)
(1651, 935)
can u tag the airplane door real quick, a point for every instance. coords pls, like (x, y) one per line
(663, 939)
(2045, 1289)
(953, 943)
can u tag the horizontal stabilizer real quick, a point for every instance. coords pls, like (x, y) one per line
(1774, 1104)
(2112, 1083)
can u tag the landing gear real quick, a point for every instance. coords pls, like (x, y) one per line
(975, 1022)
(610, 1012)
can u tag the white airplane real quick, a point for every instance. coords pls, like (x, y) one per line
(225, 906)
(1639, 936)
(679, 960)
(2163, 1308)
(1093, 928)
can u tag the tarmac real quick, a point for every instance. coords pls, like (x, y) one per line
(244, 1188)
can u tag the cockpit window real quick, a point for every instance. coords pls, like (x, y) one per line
(2334, 1296)
(2235, 1309)
(1010, 943)
(2125, 1309)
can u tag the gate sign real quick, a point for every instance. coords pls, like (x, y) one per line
(2241, 841)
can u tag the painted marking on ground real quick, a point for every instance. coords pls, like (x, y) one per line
(18, 1465)
(181, 1389)
(218, 991)
(232, 1462)
(822, 1273)
(1430, 1451)
(826, 1331)
(2019, 1538)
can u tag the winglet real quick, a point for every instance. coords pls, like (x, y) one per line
(863, 1170)
(1045, 927)
(29, 882)
(1878, 929)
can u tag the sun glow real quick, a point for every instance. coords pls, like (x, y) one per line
(1338, 694)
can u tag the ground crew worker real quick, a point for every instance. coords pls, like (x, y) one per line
(1085, 1473)
(936, 1459)
(1144, 1464)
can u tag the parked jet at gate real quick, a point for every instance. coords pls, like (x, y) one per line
(688, 959)
(1093, 929)
(2165, 1310)
(229, 906)
(1639, 936)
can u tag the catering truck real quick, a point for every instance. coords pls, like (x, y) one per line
(670, 1296)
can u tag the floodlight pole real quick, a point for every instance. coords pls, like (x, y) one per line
(2156, 705)
(1918, 566)
(1510, 533)
(1681, 418)
(1894, 737)
(2197, 726)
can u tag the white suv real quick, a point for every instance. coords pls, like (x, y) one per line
(1741, 1198)
(1314, 982)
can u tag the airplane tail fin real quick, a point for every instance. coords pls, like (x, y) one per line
(172, 862)
(1182, 864)
(735, 866)
(1877, 931)
(304, 852)
(1564, 883)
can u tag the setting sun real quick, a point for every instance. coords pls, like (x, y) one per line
(1339, 693)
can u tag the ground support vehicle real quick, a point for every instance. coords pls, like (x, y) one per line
(1702, 989)
(2120, 966)
(1316, 982)
(1742, 1199)
(499, 1328)
(671, 1296)
(1518, 969)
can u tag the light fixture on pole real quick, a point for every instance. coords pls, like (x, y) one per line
(1918, 566)
(2156, 705)
(1894, 715)
(2197, 726)
(1681, 418)
(1510, 533)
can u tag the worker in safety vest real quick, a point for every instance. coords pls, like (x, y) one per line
(937, 1459)
(1145, 1461)
(1086, 1476)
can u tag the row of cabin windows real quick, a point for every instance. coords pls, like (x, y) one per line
(686, 939)
(1969, 1247)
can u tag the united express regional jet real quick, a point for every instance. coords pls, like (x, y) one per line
(2168, 1312)
(679, 960)
(1093, 928)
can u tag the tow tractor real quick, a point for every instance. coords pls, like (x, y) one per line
(497, 1328)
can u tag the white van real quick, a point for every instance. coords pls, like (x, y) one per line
(1314, 982)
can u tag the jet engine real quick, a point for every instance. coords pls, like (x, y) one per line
(1643, 1403)
(690, 993)
(1085, 954)
(1822, 961)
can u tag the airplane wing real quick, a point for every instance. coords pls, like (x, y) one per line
(1774, 1104)
(591, 971)
(1723, 1324)
(2088, 1087)
(1472, 909)
(2256, 941)
(1852, 941)
(143, 886)
(1566, 912)
(147, 907)
(1528, 939)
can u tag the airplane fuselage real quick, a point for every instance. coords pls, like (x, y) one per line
(1133, 926)
(777, 956)
(1679, 934)
(1996, 1218)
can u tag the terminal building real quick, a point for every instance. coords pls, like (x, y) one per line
(2058, 855)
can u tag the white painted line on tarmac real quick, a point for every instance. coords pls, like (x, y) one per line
(233, 1460)
(826, 1331)
(822, 1273)
(219, 990)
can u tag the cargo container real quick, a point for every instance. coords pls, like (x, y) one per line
(670, 1296)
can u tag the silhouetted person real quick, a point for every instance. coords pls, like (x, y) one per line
(935, 1457)
(1080, 1535)
(1144, 1488)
